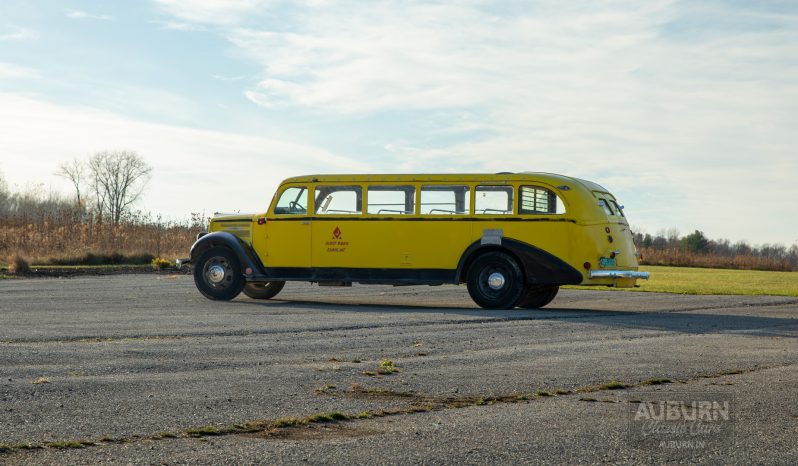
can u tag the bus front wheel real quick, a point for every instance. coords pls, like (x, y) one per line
(495, 281)
(217, 274)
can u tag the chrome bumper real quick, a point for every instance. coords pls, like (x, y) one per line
(618, 274)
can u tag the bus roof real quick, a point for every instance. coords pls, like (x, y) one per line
(549, 178)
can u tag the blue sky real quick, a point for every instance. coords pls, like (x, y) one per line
(685, 110)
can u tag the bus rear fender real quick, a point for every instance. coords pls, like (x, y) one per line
(540, 267)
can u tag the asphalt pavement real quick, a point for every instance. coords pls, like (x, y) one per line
(142, 369)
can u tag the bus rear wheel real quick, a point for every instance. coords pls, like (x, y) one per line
(538, 296)
(495, 281)
(263, 290)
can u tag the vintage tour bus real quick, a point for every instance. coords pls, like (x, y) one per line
(512, 238)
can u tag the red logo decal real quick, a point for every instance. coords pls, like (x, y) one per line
(337, 233)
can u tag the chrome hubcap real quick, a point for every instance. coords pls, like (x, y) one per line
(216, 273)
(496, 281)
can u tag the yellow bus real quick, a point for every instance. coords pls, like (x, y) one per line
(512, 238)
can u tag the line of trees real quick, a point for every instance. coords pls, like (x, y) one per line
(109, 183)
(669, 248)
(98, 223)
(35, 205)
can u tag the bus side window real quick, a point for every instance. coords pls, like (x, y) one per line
(294, 200)
(445, 200)
(617, 208)
(493, 200)
(339, 200)
(606, 207)
(391, 200)
(538, 200)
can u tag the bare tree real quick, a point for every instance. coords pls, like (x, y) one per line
(3, 195)
(75, 172)
(118, 179)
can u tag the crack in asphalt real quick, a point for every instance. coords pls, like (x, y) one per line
(420, 403)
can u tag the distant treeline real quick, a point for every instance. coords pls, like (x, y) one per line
(47, 227)
(696, 250)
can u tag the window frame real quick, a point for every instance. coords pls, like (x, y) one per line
(618, 209)
(511, 188)
(605, 206)
(443, 186)
(522, 211)
(279, 196)
(366, 202)
(358, 199)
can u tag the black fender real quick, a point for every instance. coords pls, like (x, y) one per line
(246, 255)
(540, 267)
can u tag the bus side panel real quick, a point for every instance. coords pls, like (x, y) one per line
(344, 242)
(389, 243)
(551, 236)
(438, 244)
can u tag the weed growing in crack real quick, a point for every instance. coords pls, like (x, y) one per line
(325, 389)
(327, 417)
(385, 367)
(65, 445)
(657, 381)
(289, 422)
(203, 431)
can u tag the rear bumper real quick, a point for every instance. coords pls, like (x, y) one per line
(618, 274)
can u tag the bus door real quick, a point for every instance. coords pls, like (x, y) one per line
(282, 238)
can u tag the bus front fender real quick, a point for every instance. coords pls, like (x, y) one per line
(246, 256)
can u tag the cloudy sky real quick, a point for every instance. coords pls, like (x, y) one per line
(687, 111)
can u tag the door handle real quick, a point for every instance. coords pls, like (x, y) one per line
(305, 222)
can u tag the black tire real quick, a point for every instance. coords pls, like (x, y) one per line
(263, 290)
(217, 274)
(487, 295)
(538, 296)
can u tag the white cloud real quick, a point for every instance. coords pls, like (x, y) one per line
(228, 78)
(422, 55)
(177, 26)
(194, 170)
(78, 14)
(212, 12)
(686, 109)
(12, 71)
(19, 34)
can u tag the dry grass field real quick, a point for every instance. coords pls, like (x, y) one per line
(681, 258)
(94, 243)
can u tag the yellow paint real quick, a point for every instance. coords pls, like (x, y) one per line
(418, 241)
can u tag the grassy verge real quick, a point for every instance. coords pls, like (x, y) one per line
(91, 267)
(82, 270)
(687, 280)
